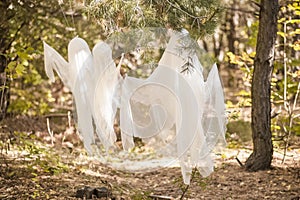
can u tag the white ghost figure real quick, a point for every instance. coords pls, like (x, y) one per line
(168, 99)
(81, 75)
(177, 114)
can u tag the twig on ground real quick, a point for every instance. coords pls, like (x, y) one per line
(238, 160)
(160, 197)
(50, 132)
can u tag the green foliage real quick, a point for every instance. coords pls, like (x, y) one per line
(41, 158)
(286, 79)
(253, 37)
(23, 27)
(31, 160)
(285, 82)
(245, 64)
(20, 59)
(239, 130)
(27, 94)
(199, 17)
(27, 102)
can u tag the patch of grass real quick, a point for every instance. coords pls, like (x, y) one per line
(239, 131)
(36, 156)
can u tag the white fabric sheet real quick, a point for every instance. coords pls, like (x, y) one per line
(175, 114)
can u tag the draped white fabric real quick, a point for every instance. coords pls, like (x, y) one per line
(176, 114)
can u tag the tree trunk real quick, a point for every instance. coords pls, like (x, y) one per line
(261, 157)
(4, 88)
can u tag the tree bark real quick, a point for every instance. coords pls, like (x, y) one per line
(4, 88)
(261, 157)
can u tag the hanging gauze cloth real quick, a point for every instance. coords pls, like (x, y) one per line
(174, 113)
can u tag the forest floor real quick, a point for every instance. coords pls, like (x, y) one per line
(32, 168)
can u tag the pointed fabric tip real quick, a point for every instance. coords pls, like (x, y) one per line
(120, 62)
(54, 61)
(47, 57)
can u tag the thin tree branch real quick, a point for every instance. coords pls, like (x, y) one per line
(182, 9)
(238, 160)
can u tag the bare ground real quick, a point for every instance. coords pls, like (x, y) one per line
(35, 177)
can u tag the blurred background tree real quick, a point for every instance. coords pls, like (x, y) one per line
(23, 27)
(284, 78)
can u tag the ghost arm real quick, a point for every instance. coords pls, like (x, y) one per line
(77, 76)
(54, 61)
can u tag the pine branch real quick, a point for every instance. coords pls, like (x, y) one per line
(182, 9)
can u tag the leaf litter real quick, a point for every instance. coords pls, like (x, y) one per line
(36, 176)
